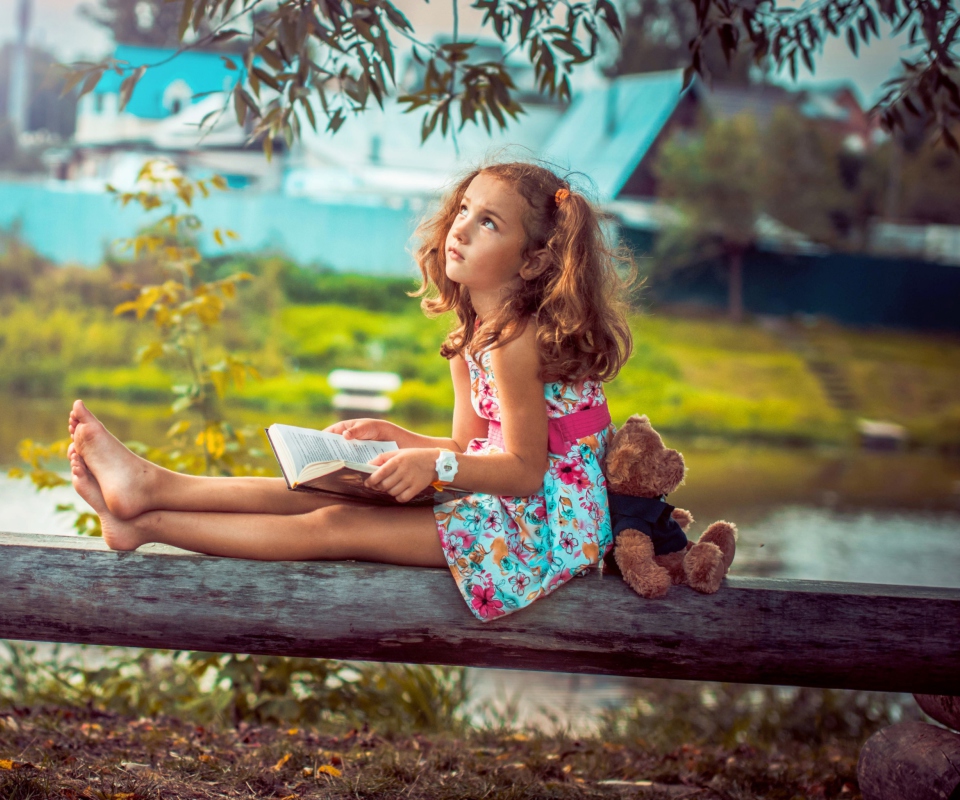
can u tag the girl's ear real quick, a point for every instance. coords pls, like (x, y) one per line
(535, 265)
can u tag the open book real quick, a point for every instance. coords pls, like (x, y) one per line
(317, 461)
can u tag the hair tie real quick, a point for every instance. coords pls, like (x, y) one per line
(561, 195)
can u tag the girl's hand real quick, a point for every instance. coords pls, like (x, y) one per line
(374, 429)
(404, 473)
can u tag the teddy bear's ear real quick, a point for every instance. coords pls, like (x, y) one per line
(669, 472)
(615, 465)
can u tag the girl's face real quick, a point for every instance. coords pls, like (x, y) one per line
(485, 243)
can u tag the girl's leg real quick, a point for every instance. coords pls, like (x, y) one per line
(132, 485)
(406, 536)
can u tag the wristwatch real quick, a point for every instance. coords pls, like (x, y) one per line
(446, 468)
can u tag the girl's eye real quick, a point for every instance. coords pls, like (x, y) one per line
(486, 220)
(463, 210)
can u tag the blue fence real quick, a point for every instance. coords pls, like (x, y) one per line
(373, 237)
(72, 226)
(851, 288)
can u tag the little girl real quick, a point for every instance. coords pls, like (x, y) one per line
(522, 260)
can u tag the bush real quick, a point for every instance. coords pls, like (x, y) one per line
(227, 688)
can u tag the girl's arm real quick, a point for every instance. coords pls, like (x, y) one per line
(523, 414)
(467, 424)
(517, 472)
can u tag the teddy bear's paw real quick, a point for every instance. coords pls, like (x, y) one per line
(673, 564)
(704, 567)
(723, 535)
(683, 518)
(651, 582)
(634, 556)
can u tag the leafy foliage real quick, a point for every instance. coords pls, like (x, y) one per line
(183, 312)
(928, 89)
(333, 58)
(229, 688)
(656, 36)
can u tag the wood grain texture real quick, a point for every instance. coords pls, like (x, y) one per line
(754, 630)
(944, 709)
(910, 761)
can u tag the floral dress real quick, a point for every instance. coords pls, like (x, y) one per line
(505, 552)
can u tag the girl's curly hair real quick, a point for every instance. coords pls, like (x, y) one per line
(577, 301)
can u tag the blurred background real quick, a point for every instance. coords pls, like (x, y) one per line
(797, 332)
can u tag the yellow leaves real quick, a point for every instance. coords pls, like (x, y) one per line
(212, 440)
(178, 429)
(238, 371)
(220, 233)
(326, 769)
(159, 296)
(36, 455)
(8, 764)
(207, 307)
(149, 352)
(220, 182)
(218, 377)
(279, 765)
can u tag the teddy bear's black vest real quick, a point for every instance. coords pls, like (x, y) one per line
(649, 515)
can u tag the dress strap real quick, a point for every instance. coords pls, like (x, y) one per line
(562, 431)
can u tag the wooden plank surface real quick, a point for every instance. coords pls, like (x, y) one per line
(754, 630)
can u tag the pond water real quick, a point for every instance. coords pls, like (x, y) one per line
(815, 513)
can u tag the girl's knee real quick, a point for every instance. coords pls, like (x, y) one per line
(332, 524)
(330, 517)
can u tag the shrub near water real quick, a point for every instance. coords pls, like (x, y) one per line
(38, 349)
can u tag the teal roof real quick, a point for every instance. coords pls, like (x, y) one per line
(608, 130)
(202, 72)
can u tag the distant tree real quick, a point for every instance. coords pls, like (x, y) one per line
(714, 181)
(929, 187)
(657, 36)
(817, 182)
(154, 23)
(146, 22)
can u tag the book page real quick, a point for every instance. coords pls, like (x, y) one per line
(307, 446)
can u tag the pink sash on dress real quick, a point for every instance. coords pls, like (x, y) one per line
(562, 431)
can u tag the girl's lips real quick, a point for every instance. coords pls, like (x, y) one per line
(455, 254)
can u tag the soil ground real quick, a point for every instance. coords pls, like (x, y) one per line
(92, 755)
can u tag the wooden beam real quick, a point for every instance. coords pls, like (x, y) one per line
(754, 630)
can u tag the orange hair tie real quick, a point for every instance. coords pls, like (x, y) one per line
(561, 195)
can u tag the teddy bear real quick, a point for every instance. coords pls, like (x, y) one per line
(651, 548)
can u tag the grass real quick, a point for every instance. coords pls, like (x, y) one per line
(691, 376)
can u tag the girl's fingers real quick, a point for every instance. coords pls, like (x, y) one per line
(386, 469)
(390, 482)
(382, 458)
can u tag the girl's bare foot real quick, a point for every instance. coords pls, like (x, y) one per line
(124, 478)
(117, 533)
